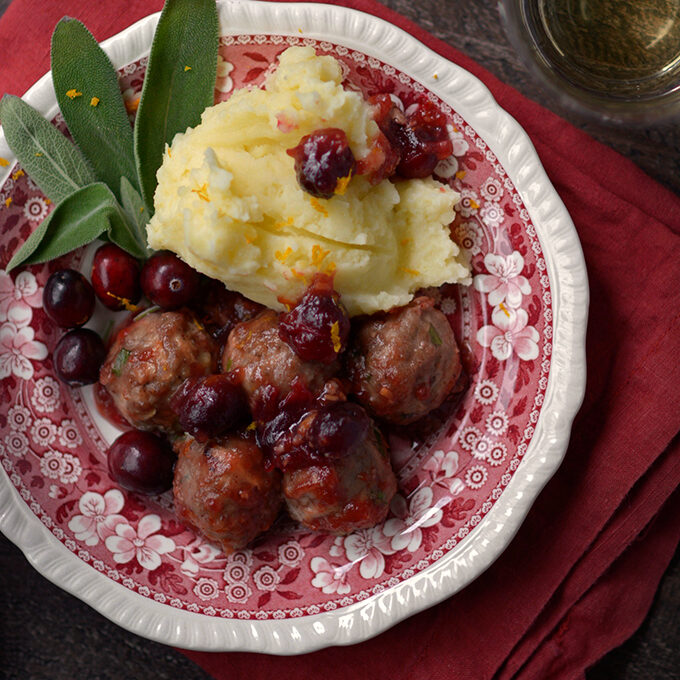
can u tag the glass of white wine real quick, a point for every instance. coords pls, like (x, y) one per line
(616, 59)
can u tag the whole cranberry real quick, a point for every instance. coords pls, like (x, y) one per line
(168, 281)
(329, 431)
(78, 357)
(209, 407)
(316, 329)
(115, 277)
(142, 462)
(322, 158)
(68, 298)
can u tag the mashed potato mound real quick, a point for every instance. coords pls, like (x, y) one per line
(228, 201)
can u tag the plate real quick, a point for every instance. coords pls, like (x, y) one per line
(468, 473)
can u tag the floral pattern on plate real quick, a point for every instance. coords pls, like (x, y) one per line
(452, 466)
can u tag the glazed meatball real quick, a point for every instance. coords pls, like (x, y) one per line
(350, 492)
(222, 489)
(404, 363)
(221, 309)
(149, 359)
(265, 363)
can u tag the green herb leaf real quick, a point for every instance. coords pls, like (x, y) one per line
(76, 221)
(135, 210)
(88, 93)
(51, 160)
(179, 83)
(434, 336)
(123, 232)
(120, 361)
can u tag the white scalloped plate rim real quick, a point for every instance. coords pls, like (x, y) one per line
(566, 384)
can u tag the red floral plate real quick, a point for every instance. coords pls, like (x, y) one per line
(468, 472)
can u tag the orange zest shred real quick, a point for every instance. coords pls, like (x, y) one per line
(38, 154)
(94, 101)
(3, 162)
(125, 302)
(410, 272)
(318, 255)
(252, 426)
(317, 206)
(331, 267)
(8, 201)
(460, 174)
(281, 225)
(187, 68)
(131, 105)
(335, 337)
(473, 204)
(72, 94)
(298, 275)
(283, 256)
(341, 186)
(17, 174)
(202, 192)
(504, 309)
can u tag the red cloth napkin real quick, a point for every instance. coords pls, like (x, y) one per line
(581, 573)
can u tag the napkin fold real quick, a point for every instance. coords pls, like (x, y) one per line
(581, 573)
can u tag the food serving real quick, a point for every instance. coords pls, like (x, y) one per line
(467, 472)
(318, 218)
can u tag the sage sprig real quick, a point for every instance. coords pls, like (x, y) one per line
(76, 221)
(52, 161)
(179, 83)
(88, 94)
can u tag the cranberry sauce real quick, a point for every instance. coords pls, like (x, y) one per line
(308, 430)
(322, 159)
(210, 406)
(420, 137)
(316, 329)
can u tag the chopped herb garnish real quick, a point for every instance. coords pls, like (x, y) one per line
(120, 361)
(227, 368)
(379, 442)
(434, 336)
(148, 310)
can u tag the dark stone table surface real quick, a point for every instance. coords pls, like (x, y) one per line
(48, 634)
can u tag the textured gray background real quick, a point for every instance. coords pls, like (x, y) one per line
(47, 634)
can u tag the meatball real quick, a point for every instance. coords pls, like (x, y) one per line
(350, 492)
(222, 489)
(149, 359)
(220, 309)
(404, 363)
(265, 364)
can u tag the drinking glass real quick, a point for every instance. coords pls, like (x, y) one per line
(617, 60)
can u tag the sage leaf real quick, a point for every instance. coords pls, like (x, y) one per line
(52, 161)
(179, 83)
(123, 232)
(88, 93)
(135, 210)
(434, 336)
(76, 221)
